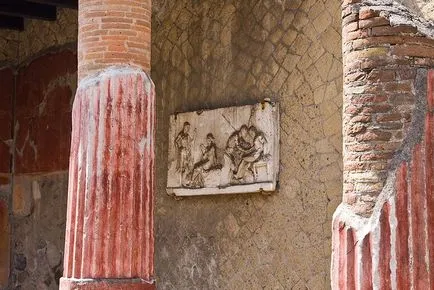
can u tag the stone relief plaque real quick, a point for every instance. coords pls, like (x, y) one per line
(222, 151)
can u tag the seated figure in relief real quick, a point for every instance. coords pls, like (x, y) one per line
(250, 156)
(207, 162)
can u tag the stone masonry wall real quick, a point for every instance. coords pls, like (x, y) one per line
(209, 54)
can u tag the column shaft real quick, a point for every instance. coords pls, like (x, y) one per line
(109, 233)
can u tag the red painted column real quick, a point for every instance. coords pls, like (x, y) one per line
(109, 233)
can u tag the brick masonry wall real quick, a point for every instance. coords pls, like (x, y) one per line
(381, 63)
(113, 33)
(382, 231)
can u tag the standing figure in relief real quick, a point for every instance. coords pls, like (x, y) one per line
(183, 144)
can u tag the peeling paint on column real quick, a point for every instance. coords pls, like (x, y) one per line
(110, 204)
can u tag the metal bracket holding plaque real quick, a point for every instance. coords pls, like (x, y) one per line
(223, 151)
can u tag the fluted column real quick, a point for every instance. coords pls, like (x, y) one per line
(109, 233)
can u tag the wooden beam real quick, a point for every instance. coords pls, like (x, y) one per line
(29, 10)
(73, 4)
(11, 22)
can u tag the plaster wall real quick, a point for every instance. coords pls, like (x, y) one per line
(222, 53)
(38, 81)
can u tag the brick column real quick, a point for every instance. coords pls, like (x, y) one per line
(383, 232)
(109, 232)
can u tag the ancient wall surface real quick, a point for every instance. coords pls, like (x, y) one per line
(17, 47)
(205, 54)
(8, 46)
(222, 53)
(38, 82)
(34, 161)
(40, 36)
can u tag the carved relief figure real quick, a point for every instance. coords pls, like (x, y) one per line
(207, 162)
(244, 148)
(183, 144)
(250, 157)
(226, 150)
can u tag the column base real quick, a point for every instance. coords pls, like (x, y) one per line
(109, 284)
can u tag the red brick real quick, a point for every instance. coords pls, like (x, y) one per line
(373, 22)
(367, 64)
(381, 108)
(374, 135)
(389, 117)
(363, 99)
(352, 110)
(350, 18)
(381, 75)
(366, 13)
(399, 87)
(390, 125)
(402, 99)
(352, 26)
(360, 147)
(360, 33)
(427, 62)
(390, 40)
(346, 11)
(375, 156)
(355, 129)
(120, 19)
(361, 118)
(413, 50)
(349, 198)
(393, 30)
(406, 74)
